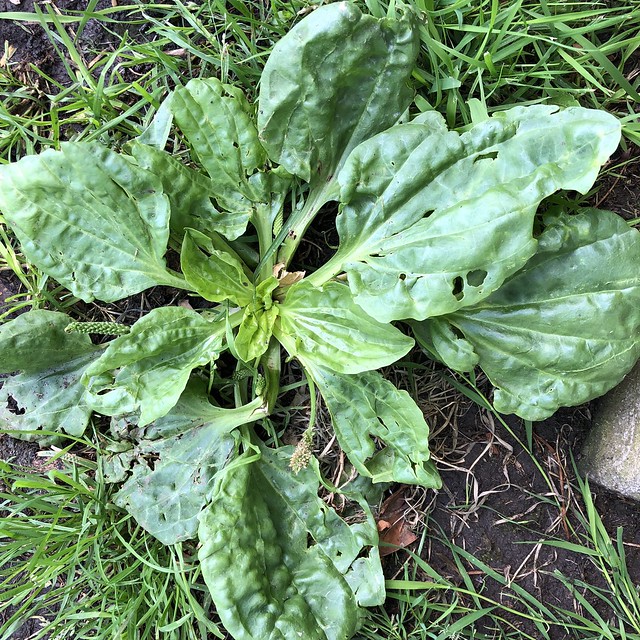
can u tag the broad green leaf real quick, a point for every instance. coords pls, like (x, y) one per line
(365, 407)
(325, 327)
(337, 78)
(218, 123)
(47, 395)
(146, 370)
(157, 132)
(37, 340)
(190, 194)
(279, 563)
(256, 328)
(433, 221)
(439, 338)
(566, 328)
(90, 219)
(216, 273)
(53, 399)
(170, 472)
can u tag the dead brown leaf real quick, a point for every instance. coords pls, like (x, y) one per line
(9, 50)
(286, 278)
(392, 524)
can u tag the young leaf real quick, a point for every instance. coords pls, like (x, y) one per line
(433, 221)
(216, 275)
(337, 78)
(84, 215)
(190, 194)
(47, 395)
(257, 324)
(147, 369)
(325, 327)
(217, 121)
(366, 406)
(173, 466)
(564, 330)
(279, 563)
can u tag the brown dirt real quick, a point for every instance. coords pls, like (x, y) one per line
(620, 190)
(31, 46)
(491, 506)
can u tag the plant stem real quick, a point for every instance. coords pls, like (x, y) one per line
(261, 220)
(271, 363)
(328, 270)
(297, 223)
(296, 226)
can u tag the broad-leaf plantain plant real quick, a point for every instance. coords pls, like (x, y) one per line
(436, 229)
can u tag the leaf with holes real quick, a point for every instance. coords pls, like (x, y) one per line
(190, 195)
(47, 396)
(170, 469)
(433, 221)
(565, 328)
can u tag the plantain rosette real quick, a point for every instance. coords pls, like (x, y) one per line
(436, 229)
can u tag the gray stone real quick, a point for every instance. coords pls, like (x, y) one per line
(611, 454)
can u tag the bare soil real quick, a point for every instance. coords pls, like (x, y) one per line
(31, 46)
(501, 504)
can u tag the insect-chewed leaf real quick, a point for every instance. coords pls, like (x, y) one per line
(217, 121)
(438, 338)
(337, 78)
(170, 472)
(47, 395)
(279, 563)
(86, 216)
(433, 221)
(325, 327)
(146, 370)
(366, 406)
(563, 330)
